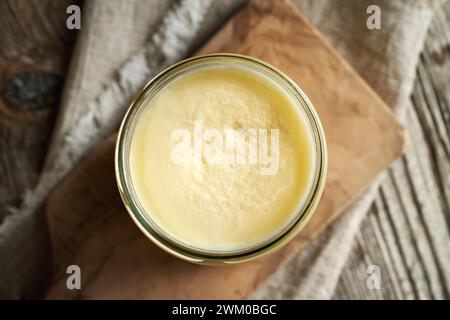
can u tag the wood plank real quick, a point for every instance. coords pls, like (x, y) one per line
(34, 55)
(407, 232)
(90, 228)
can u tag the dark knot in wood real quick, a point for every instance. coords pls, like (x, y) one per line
(32, 90)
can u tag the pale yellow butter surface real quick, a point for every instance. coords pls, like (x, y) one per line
(216, 206)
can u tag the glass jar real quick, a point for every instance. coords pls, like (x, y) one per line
(144, 219)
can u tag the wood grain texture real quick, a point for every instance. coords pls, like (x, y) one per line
(35, 48)
(407, 232)
(119, 262)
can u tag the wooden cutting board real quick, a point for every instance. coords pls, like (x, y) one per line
(90, 227)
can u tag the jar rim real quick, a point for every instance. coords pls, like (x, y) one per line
(196, 255)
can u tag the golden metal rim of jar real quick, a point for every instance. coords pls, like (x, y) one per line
(195, 256)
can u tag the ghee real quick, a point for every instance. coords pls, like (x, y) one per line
(222, 159)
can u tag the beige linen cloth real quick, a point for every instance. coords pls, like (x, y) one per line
(122, 44)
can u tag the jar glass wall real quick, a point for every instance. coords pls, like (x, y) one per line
(144, 218)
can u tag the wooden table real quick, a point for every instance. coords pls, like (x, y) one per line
(407, 230)
(35, 48)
